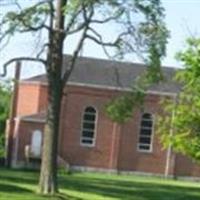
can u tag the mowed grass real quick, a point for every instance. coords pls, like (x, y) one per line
(21, 185)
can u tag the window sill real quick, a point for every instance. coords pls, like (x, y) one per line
(145, 151)
(87, 145)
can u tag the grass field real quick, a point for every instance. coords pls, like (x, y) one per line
(21, 185)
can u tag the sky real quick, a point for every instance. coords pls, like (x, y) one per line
(182, 20)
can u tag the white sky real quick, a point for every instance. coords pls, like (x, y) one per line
(182, 18)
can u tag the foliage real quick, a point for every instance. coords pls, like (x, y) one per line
(139, 25)
(182, 113)
(121, 108)
(156, 35)
(5, 94)
(153, 36)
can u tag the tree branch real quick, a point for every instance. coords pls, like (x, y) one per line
(108, 19)
(20, 59)
(32, 28)
(77, 29)
(5, 43)
(71, 23)
(78, 48)
(110, 44)
(73, 18)
(42, 50)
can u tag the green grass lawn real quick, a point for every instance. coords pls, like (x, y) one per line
(21, 185)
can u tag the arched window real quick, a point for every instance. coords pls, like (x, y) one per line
(146, 132)
(88, 126)
(36, 143)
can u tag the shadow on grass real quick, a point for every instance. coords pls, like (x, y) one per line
(130, 190)
(19, 176)
(120, 188)
(67, 197)
(7, 188)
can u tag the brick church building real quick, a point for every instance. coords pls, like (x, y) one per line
(89, 140)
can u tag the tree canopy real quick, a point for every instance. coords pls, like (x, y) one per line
(139, 26)
(182, 114)
(154, 40)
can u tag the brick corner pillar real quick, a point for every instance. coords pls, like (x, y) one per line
(115, 146)
(10, 125)
(170, 167)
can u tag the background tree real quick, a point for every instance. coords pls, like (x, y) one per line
(5, 93)
(182, 112)
(152, 37)
(135, 22)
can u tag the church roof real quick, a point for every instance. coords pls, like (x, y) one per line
(36, 117)
(112, 74)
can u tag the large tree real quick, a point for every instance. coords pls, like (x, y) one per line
(139, 29)
(179, 126)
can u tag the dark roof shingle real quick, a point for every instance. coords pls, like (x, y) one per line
(106, 73)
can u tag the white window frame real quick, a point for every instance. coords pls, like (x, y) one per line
(150, 150)
(85, 129)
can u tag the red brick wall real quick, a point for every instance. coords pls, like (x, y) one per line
(186, 167)
(32, 99)
(25, 131)
(28, 99)
(130, 157)
(70, 148)
(43, 98)
(100, 155)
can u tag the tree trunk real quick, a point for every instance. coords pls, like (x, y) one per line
(48, 175)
